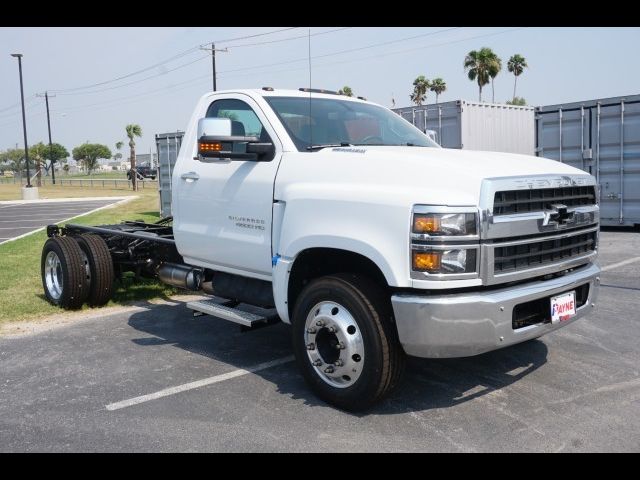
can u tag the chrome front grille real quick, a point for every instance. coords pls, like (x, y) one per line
(511, 202)
(537, 225)
(540, 252)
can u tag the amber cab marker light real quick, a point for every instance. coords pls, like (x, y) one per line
(426, 224)
(426, 261)
(210, 147)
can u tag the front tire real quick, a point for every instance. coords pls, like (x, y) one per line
(64, 276)
(345, 341)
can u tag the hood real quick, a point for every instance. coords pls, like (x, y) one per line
(436, 176)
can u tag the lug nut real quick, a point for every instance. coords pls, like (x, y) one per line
(340, 346)
(332, 329)
(320, 323)
(339, 363)
(311, 330)
(311, 346)
(328, 370)
(317, 363)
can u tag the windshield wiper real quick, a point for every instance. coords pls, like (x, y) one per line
(328, 145)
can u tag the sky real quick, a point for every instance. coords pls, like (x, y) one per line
(105, 78)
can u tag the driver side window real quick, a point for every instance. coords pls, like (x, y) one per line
(244, 121)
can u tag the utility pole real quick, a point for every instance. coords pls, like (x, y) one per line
(213, 51)
(53, 167)
(24, 119)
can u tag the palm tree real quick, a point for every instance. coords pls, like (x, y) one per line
(477, 66)
(117, 156)
(346, 90)
(420, 87)
(516, 65)
(495, 65)
(133, 130)
(438, 86)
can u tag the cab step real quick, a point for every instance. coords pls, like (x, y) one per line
(218, 309)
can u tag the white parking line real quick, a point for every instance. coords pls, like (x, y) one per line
(197, 384)
(620, 264)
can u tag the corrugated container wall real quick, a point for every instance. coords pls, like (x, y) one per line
(476, 126)
(602, 137)
(168, 146)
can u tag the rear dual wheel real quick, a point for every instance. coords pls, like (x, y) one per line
(75, 270)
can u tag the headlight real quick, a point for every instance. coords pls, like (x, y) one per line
(444, 223)
(445, 261)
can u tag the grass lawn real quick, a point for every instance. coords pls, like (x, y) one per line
(21, 292)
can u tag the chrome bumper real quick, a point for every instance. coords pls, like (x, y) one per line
(466, 324)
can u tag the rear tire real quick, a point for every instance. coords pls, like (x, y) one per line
(64, 276)
(345, 342)
(101, 268)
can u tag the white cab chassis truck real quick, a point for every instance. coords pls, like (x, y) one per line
(335, 215)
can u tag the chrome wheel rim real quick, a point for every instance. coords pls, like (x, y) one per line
(334, 344)
(53, 275)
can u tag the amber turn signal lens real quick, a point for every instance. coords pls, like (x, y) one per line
(210, 147)
(426, 224)
(427, 261)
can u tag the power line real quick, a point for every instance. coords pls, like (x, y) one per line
(139, 80)
(361, 58)
(252, 36)
(288, 38)
(342, 51)
(174, 57)
(122, 77)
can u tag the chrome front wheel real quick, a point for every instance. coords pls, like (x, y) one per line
(334, 344)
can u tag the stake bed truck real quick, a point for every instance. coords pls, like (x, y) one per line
(335, 215)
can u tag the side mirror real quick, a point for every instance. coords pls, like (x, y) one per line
(216, 139)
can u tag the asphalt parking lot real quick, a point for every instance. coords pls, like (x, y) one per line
(158, 379)
(20, 218)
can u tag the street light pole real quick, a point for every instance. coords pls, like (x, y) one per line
(24, 118)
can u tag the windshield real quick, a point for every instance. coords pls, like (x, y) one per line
(324, 121)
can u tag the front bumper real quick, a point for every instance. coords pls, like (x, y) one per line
(466, 324)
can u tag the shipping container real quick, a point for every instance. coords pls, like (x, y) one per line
(168, 146)
(602, 137)
(476, 126)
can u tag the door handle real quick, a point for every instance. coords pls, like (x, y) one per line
(190, 176)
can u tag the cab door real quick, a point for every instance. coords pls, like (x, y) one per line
(224, 208)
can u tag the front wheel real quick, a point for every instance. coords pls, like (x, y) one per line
(345, 342)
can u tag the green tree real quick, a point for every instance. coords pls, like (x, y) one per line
(516, 65)
(517, 101)
(495, 65)
(438, 86)
(89, 153)
(15, 158)
(66, 168)
(117, 156)
(41, 152)
(420, 87)
(57, 153)
(133, 130)
(346, 90)
(478, 65)
(38, 153)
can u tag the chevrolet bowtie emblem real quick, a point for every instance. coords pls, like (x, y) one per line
(558, 215)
